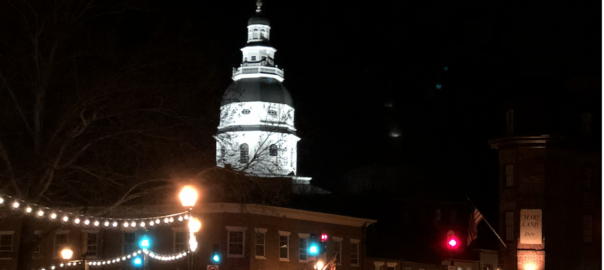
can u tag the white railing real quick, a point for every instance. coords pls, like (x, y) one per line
(255, 72)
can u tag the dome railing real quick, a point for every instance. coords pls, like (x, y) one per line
(255, 72)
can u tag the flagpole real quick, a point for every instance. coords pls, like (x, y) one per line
(485, 220)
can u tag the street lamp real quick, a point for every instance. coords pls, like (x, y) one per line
(188, 196)
(66, 253)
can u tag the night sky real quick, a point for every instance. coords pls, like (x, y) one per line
(358, 70)
(434, 73)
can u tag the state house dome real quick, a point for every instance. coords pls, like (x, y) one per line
(257, 89)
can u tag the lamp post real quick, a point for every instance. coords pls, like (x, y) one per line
(188, 197)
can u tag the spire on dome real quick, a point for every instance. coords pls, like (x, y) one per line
(259, 5)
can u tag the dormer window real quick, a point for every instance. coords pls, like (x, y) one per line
(253, 58)
(272, 113)
(245, 111)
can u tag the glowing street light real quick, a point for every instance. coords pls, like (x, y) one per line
(194, 225)
(319, 265)
(188, 196)
(66, 253)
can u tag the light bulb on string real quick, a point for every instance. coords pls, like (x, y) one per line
(86, 222)
(171, 219)
(186, 216)
(77, 221)
(106, 223)
(115, 224)
(96, 223)
(133, 224)
(28, 209)
(16, 205)
(157, 221)
(40, 213)
(65, 218)
(180, 218)
(143, 224)
(166, 220)
(53, 215)
(151, 223)
(126, 224)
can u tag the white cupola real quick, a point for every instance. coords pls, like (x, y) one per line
(256, 133)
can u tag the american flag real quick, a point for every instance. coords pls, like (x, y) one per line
(475, 218)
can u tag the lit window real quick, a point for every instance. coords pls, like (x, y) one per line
(60, 243)
(245, 111)
(303, 248)
(509, 226)
(91, 244)
(235, 240)
(587, 228)
(180, 241)
(129, 243)
(509, 175)
(354, 252)
(6, 241)
(273, 149)
(260, 243)
(283, 247)
(509, 122)
(244, 153)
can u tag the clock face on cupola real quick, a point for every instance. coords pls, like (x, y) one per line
(256, 134)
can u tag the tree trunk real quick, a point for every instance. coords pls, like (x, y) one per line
(26, 248)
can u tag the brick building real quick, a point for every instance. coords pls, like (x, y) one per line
(550, 182)
(246, 236)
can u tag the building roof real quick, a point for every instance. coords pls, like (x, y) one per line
(257, 89)
(258, 17)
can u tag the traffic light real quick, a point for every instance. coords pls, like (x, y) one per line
(313, 246)
(216, 254)
(137, 261)
(144, 242)
(323, 246)
(452, 241)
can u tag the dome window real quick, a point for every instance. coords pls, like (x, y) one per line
(244, 153)
(272, 113)
(273, 149)
(245, 111)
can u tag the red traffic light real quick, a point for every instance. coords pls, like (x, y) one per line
(323, 237)
(452, 242)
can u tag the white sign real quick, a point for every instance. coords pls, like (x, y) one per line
(212, 267)
(531, 221)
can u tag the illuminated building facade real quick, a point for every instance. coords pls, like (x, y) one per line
(550, 185)
(256, 133)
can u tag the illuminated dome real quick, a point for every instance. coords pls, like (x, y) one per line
(256, 134)
(257, 89)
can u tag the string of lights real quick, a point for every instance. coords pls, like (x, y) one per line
(89, 220)
(120, 259)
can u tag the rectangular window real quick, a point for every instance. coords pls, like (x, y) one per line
(6, 241)
(91, 244)
(354, 252)
(180, 241)
(303, 249)
(437, 215)
(235, 247)
(337, 251)
(260, 243)
(253, 58)
(509, 226)
(587, 228)
(588, 176)
(129, 242)
(453, 216)
(60, 243)
(283, 247)
(509, 175)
